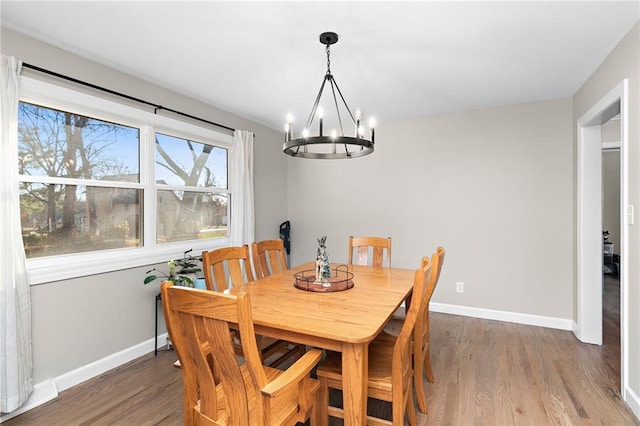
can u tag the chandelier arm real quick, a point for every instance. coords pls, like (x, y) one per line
(344, 102)
(317, 101)
(335, 102)
(346, 147)
(334, 85)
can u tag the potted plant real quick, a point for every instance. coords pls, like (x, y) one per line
(181, 271)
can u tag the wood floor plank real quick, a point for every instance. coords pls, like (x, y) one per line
(487, 373)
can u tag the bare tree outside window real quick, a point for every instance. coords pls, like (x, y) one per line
(195, 203)
(76, 174)
(81, 188)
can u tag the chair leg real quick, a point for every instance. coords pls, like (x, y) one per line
(399, 410)
(427, 358)
(418, 383)
(427, 365)
(411, 410)
(319, 413)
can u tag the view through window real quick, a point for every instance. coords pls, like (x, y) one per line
(194, 208)
(81, 188)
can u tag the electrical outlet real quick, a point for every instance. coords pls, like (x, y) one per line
(459, 286)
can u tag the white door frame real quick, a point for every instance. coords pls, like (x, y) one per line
(588, 325)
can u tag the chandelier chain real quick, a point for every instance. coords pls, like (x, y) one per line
(328, 59)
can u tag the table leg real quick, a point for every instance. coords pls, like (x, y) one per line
(355, 371)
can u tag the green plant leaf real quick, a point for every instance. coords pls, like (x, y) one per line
(150, 278)
(187, 280)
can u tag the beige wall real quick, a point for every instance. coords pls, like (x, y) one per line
(493, 186)
(623, 63)
(79, 321)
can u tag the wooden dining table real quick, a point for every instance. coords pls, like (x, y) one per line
(344, 321)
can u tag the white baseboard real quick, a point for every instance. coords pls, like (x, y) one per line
(42, 392)
(633, 401)
(48, 390)
(518, 318)
(100, 366)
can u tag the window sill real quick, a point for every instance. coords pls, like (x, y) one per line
(59, 268)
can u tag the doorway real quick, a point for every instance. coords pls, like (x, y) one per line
(589, 237)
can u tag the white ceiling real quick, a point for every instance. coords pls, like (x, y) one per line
(394, 59)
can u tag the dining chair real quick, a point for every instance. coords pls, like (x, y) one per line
(268, 257)
(220, 389)
(421, 344)
(235, 263)
(377, 246)
(390, 371)
(226, 264)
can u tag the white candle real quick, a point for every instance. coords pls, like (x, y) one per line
(290, 125)
(320, 114)
(372, 124)
(334, 136)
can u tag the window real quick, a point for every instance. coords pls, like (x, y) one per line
(76, 192)
(195, 208)
(104, 186)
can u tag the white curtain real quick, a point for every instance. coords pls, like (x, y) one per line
(16, 382)
(242, 210)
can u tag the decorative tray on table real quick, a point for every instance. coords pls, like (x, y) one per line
(341, 279)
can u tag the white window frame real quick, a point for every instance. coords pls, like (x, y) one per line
(55, 268)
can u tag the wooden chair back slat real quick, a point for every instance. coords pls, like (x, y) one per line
(376, 245)
(226, 267)
(268, 257)
(421, 335)
(401, 369)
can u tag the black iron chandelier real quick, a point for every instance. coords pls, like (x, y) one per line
(336, 144)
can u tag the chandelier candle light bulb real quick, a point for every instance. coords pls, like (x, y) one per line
(287, 128)
(372, 125)
(336, 145)
(290, 126)
(320, 118)
(334, 136)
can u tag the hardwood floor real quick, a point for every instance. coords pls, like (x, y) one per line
(487, 373)
(490, 372)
